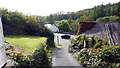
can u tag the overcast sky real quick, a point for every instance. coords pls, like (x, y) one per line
(46, 7)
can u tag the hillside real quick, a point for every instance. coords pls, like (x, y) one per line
(99, 13)
(91, 14)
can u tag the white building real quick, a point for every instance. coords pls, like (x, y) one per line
(52, 27)
(3, 58)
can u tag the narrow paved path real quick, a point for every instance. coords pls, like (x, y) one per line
(60, 55)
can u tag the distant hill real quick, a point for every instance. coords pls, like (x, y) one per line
(100, 13)
(91, 14)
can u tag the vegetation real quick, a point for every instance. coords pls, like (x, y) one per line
(108, 19)
(32, 31)
(57, 45)
(33, 25)
(91, 14)
(97, 53)
(104, 57)
(31, 51)
(28, 43)
(63, 26)
(39, 58)
(27, 25)
(100, 13)
(15, 23)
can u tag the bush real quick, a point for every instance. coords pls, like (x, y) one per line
(64, 26)
(108, 19)
(97, 45)
(70, 49)
(72, 40)
(90, 43)
(98, 54)
(105, 57)
(38, 59)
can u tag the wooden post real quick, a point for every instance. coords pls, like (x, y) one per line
(84, 44)
(57, 39)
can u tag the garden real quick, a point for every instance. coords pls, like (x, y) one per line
(28, 51)
(95, 52)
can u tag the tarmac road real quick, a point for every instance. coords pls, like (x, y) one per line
(60, 55)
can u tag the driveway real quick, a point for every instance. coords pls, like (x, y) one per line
(60, 55)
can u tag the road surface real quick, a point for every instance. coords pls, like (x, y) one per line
(60, 55)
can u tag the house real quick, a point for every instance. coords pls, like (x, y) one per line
(52, 27)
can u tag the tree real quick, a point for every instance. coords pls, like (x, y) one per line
(41, 19)
(64, 26)
(108, 19)
(70, 20)
(50, 19)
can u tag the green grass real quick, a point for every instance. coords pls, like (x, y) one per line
(28, 43)
(57, 45)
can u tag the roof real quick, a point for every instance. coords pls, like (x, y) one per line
(48, 25)
(52, 27)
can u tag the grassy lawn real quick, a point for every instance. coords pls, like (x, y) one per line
(28, 43)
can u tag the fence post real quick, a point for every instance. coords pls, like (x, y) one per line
(84, 44)
(57, 39)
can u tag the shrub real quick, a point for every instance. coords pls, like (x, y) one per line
(108, 19)
(104, 57)
(70, 49)
(97, 45)
(90, 43)
(72, 40)
(38, 59)
(98, 54)
(64, 26)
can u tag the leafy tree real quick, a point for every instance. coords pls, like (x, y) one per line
(42, 19)
(50, 19)
(64, 26)
(108, 19)
(70, 20)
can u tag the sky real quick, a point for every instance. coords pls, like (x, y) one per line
(47, 7)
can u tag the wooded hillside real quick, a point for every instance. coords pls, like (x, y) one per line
(100, 13)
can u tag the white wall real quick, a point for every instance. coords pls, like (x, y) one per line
(3, 58)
